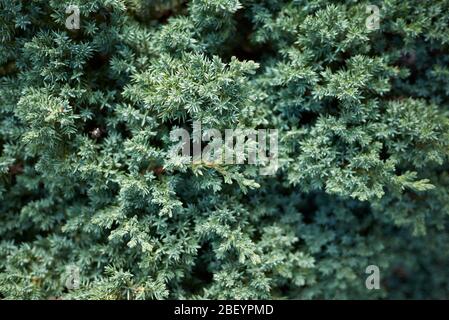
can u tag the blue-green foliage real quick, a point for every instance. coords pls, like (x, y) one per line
(87, 178)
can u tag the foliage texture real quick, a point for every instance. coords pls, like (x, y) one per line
(87, 178)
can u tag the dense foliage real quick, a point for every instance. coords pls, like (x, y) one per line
(87, 178)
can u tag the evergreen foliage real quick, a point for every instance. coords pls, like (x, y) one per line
(88, 179)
